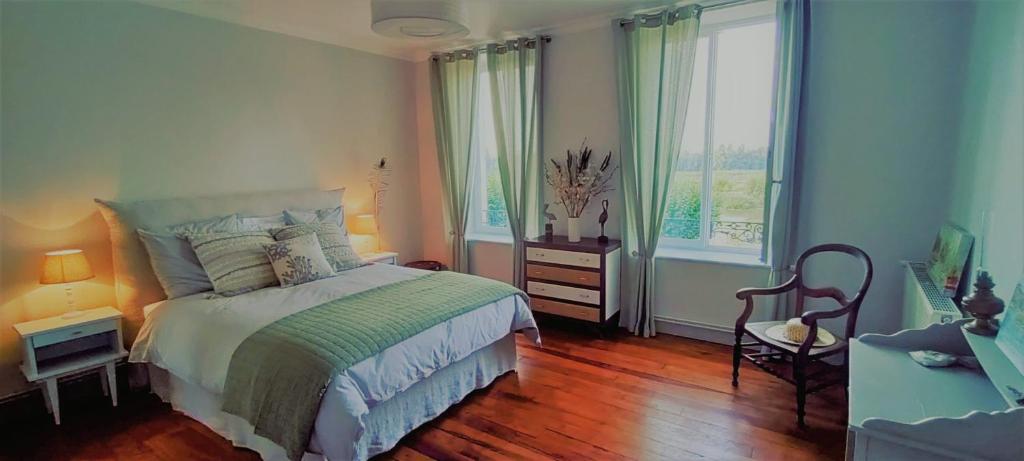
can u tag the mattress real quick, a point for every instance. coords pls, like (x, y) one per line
(385, 424)
(194, 337)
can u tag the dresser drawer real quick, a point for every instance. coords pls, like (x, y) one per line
(76, 332)
(590, 314)
(561, 274)
(568, 258)
(581, 295)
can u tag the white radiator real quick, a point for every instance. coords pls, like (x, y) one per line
(923, 303)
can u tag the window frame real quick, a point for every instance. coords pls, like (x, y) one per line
(477, 187)
(703, 242)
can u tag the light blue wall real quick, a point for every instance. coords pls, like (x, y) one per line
(989, 167)
(878, 138)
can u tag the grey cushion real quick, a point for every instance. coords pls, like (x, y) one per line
(298, 260)
(236, 262)
(333, 241)
(134, 281)
(174, 262)
(334, 215)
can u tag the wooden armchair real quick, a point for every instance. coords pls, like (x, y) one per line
(771, 351)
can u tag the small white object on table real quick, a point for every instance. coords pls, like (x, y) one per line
(57, 347)
(381, 257)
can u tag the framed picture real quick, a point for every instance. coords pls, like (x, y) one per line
(948, 258)
(1011, 329)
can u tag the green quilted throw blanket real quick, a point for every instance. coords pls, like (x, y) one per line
(278, 374)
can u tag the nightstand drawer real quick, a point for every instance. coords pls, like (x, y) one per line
(79, 331)
(568, 258)
(561, 274)
(564, 292)
(590, 314)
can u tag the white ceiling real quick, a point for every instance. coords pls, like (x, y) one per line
(347, 22)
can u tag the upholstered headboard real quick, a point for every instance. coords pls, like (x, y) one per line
(134, 282)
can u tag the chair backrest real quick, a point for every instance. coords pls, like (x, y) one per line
(850, 305)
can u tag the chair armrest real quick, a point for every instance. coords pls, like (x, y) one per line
(812, 317)
(747, 294)
(750, 292)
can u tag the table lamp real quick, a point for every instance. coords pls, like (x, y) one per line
(66, 266)
(365, 224)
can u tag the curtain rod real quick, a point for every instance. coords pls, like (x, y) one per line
(711, 7)
(483, 48)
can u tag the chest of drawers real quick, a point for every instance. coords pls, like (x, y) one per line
(576, 280)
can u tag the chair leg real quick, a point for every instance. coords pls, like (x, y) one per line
(737, 352)
(800, 376)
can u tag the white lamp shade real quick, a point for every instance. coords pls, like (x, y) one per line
(364, 224)
(65, 266)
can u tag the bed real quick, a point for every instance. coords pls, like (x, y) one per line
(187, 343)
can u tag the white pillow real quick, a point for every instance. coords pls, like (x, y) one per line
(334, 215)
(255, 223)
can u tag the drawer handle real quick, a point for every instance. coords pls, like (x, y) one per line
(78, 332)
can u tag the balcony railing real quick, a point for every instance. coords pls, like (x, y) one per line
(740, 232)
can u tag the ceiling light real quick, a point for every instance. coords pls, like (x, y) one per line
(419, 19)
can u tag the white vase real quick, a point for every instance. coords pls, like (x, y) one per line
(574, 229)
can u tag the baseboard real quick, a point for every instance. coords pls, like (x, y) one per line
(696, 330)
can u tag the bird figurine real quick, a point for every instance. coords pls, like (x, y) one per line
(549, 229)
(603, 219)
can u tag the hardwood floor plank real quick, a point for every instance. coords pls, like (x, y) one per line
(577, 397)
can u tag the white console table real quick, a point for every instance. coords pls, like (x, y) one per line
(900, 410)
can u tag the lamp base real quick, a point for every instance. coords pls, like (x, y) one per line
(983, 327)
(71, 314)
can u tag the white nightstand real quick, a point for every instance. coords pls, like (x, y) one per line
(382, 257)
(55, 347)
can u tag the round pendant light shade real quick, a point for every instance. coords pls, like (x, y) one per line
(419, 19)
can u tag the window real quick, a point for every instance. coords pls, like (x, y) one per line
(716, 199)
(487, 203)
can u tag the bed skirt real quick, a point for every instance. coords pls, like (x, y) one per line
(384, 425)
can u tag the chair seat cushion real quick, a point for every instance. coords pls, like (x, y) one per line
(758, 331)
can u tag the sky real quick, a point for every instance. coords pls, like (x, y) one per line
(743, 84)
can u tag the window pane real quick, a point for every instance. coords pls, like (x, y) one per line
(742, 111)
(489, 209)
(683, 213)
(495, 214)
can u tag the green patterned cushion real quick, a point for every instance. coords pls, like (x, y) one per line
(298, 260)
(333, 241)
(235, 261)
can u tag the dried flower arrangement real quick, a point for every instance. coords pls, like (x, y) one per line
(578, 179)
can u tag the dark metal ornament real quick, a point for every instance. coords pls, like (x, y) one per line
(603, 219)
(549, 228)
(983, 305)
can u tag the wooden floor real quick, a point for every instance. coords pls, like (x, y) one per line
(578, 397)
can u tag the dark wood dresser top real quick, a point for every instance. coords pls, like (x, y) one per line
(585, 245)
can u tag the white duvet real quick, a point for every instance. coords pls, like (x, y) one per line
(194, 337)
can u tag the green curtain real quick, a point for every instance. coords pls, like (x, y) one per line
(514, 69)
(453, 85)
(655, 65)
(792, 18)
